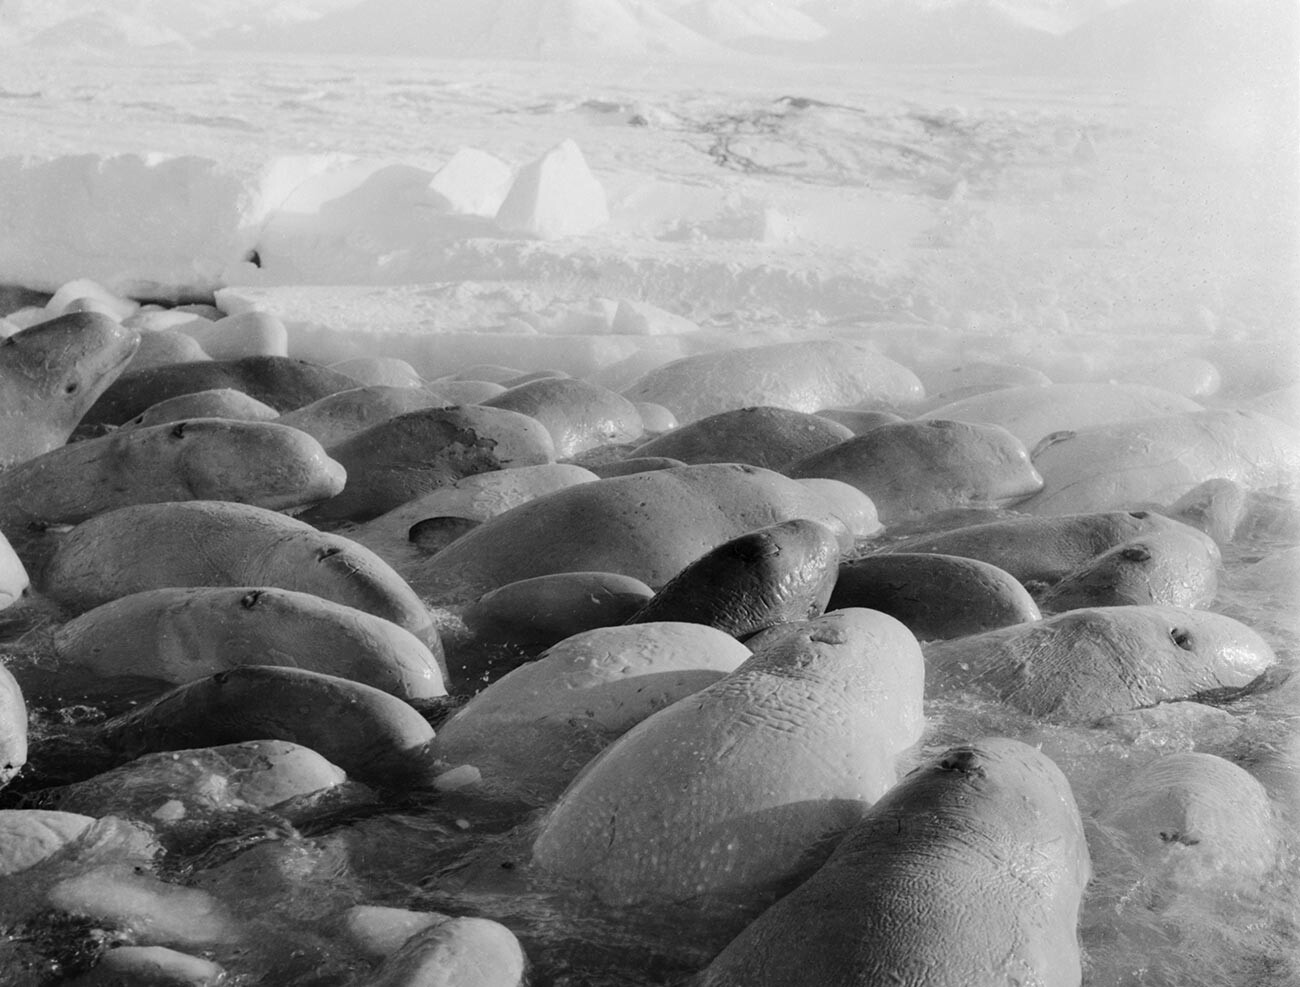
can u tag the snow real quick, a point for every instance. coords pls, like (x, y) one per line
(147, 225)
(643, 319)
(141, 22)
(443, 328)
(107, 29)
(732, 21)
(351, 219)
(473, 182)
(736, 195)
(1196, 41)
(1050, 35)
(554, 197)
(978, 206)
(272, 173)
(499, 29)
(174, 227)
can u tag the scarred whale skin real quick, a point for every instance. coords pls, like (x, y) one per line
(736, 787)
(646, 525)
(968, 872)
(51, 374)
(1084, 664)
(216, 543)
(1157, 460)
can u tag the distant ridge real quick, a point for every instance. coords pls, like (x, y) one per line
(895, 31)
(1180, 39)
(1183, 38)
(110, 23)
(745, 22)
(102, 29)
(542, 29)
(869, 30)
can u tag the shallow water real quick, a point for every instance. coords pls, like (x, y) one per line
(288, 875)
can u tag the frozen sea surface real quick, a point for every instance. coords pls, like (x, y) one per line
(767, 192)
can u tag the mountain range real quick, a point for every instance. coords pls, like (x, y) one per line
(1074, 35)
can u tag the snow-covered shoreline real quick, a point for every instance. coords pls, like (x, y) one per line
(849, 171)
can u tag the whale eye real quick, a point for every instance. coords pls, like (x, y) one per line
(1136, 553)
(1181, 637)
(325, 553)
(1140, 515)
(70, 387)
(179, 431)
(249, 599)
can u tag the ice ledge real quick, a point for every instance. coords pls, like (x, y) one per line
(146, 226)
(443, 328)
(173, 228)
